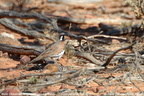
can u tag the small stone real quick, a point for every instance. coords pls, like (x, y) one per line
(99, 88)
(24, 60)
(11, 92)
(7, 38)
(1, 53)
(49, 68)
(115, 41)
(5, 55)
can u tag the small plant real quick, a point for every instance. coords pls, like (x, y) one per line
(17, 5)
(137, 7)
(69, 51)
(33, 80)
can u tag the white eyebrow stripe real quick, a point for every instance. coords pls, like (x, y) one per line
(61, 38)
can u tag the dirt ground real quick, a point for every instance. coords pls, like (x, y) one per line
(107, 11)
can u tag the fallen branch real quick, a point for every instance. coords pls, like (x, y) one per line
(29, 75)
(124, 48)
(22, 50)
(72, 72)
(95, 20)
(110, 58)
(107, 36)
(88, 57)
(112, 30)
(20, 30)
(52, 21)
(61, 79)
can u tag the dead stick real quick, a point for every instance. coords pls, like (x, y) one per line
(110, 58)
(29, 75)
(128, 47)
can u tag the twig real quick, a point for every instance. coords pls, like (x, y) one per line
(88, 57)
(117, 83)
(29, 75)
(75, 72)
(110, 58)
(134, 83)
(52, 21)
(20, 30)
(84, 82)
(22, 50)
(107, 36)
(13, 14)
(61, 79)
(120, 82)
(95, 20)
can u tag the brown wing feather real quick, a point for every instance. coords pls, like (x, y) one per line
(55, 48)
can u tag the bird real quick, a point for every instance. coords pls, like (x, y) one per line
(54, 51)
